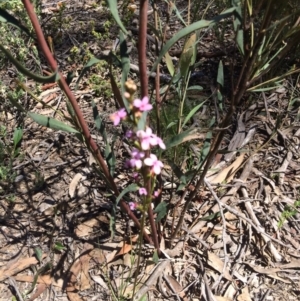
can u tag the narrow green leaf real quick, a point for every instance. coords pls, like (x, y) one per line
(240, 40)
(130, 188)
(206, 148)
(142, 122)
(188, 30)
(155, 257)
(124, 60)
(5, 17)
(113, 7)
(39, 254)
(40, 79)
(196, 87)
(51, 123)
(170, 64)
(211, 216)
(161, 211)
(220, 77)
(192, 113)
(16, 104)
(110, 158)
(17, 137)
(190, 134)
(187, 55)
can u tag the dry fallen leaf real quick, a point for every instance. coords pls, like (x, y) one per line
(244, 296)
(13, 268)
(215, 262)
(228, 172)
(74, 183)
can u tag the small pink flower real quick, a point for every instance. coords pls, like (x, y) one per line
(160, 143)
(154, 163)
(132, 205)
(143, 105)
(142, 191)
(136, 159)
(118, 116)
(156, 193)
(129, 134)
(147, 138)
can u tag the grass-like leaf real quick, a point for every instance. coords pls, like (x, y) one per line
(188, 30)
(40, 79)
(5, 17)
(113, 7)
(51, 123)
(192, 113)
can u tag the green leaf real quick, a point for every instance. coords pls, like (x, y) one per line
(220, 77)
(196, 87)
(187, 55)
(170, 64)
(192, 113)
(18, 134)
(51, 123)
(188, 30)
(155, 257)
(211, 216)
(161, 211)
(113, 7)
(110, 158)
(39, 254)
(5, 17)
(190, 134)
(40, 79)
(143, 121)
(58, 246)
(240, 40)
(124, 60)
(93, 61)
(206, 148)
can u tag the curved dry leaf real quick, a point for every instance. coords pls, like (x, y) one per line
(244, 296)
(228, 172)
(215, 262)
(74, 183)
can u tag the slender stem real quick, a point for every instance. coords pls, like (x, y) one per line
(84, 127)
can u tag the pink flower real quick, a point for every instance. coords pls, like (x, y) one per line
(136, 159)
(142, 191)
(143, 105)
(147, 138)
(132, 205)
(118, 116)
(160, 143)
(156, 193)
(154, 163)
